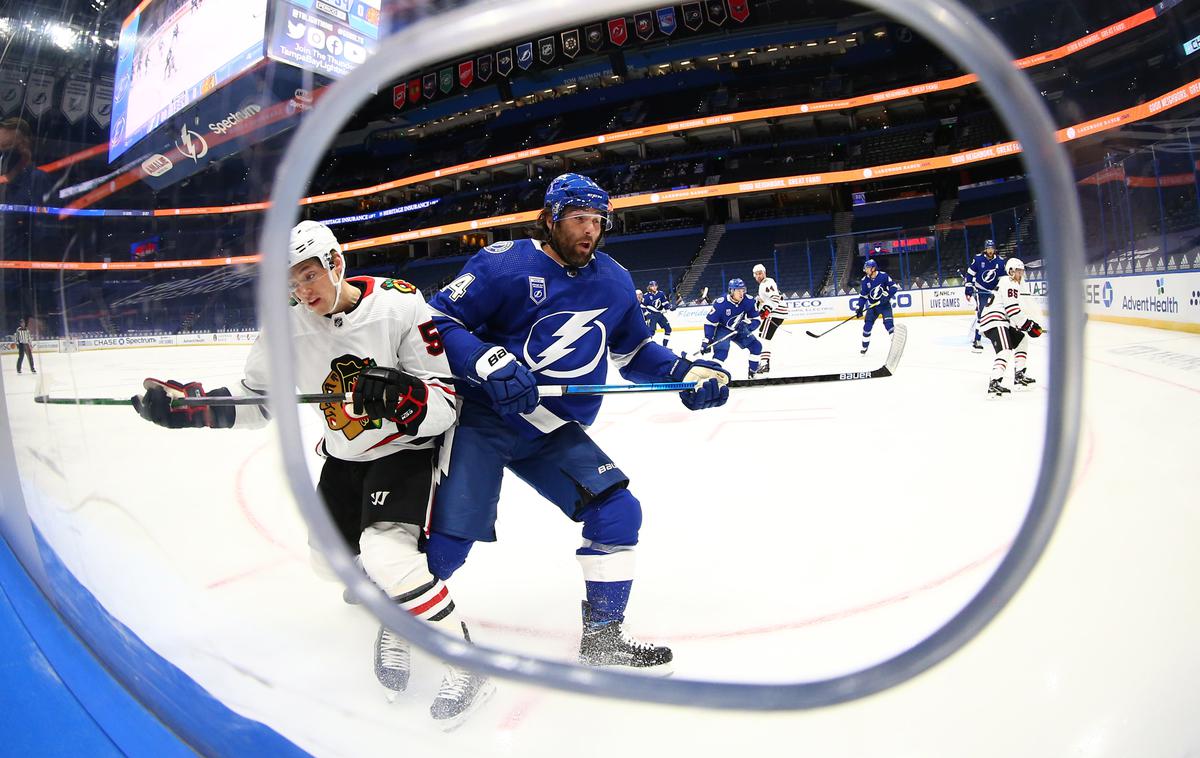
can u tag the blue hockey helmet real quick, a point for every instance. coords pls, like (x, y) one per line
(989, 245)
(577, 191)
(651, 283)
(870, 264)
(736, 284)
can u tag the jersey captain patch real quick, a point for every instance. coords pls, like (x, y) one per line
(344, 372)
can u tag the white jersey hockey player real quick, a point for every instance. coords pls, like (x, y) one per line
(373, 337)
(772, 309)
(1005, 324)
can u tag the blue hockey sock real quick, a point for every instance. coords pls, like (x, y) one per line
(607, 601)
(753, 367)
(666, 340)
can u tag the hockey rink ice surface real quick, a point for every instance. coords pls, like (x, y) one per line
(798, 533)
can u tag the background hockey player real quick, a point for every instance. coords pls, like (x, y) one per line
(981, 279)
(734, 315)
(1005, 325)
(656, 305)
(875, 295)
(771, 309)
(374, 337)
(549, 311)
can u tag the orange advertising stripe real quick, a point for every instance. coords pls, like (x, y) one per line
(130, 265)
(899, 93)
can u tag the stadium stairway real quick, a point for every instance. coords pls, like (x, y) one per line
(712, 238)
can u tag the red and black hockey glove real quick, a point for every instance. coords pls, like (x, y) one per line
(1033, 328)
(155, 405)
(381, 392)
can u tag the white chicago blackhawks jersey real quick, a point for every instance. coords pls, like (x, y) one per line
(769, 296)
(1005, 308)
(389, 326)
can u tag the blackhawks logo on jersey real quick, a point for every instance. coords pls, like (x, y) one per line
(345, 370)
(399, 285)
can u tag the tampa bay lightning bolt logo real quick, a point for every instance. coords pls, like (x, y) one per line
(537, 289)
(989, 275)
(567, 344)
(877, 292)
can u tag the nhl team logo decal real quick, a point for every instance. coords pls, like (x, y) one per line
(537, 289)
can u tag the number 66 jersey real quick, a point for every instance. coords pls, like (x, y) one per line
(390, 325)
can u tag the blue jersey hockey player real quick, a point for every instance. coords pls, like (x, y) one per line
(982, 277)
(550, 311)
(656, 304)
(875, 299)
(732, 318)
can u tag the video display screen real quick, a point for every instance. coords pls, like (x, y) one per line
(327, 37)
(172, 53)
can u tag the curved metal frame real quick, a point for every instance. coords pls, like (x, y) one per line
(483, 25)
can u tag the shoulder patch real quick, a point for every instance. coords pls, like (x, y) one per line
(399, 285)
(498, 247)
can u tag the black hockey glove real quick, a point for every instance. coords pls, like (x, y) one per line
(382, 392)
(858, 312)
(1032, 327)
(155, 405)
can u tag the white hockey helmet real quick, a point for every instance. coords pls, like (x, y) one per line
(757, 268)
(1012, 264)
(312, 239)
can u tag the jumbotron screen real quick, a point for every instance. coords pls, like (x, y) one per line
(172, 53)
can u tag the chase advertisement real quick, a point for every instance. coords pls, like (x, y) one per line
(327, 37)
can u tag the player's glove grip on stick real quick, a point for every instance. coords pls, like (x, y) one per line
(1032, 327)
(382, 392)
(155, 405)
(712, 390)
(509, 385)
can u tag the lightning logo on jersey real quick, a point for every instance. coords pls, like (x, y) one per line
(574, 334)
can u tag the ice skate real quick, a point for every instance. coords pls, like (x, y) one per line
(997, 389)
(609, 645)
(392, 660)
(976, 346)
(863, 351)
(461, 693)
(1022, 380)
(764, 368)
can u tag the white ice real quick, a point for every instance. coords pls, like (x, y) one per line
(800, 532)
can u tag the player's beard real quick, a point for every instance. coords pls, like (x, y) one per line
(570, 253)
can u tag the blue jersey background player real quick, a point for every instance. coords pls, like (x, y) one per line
(982, 277)
(656, 304)
(875, 299)
(736, 315)
(551, 311)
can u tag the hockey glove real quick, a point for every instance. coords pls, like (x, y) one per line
(509, 385)
(712, 384)
(858, 312)
(987, 298)
(1032, 327)
(155, 405)
(746, 328)
(381, 392)
(970, 294)
(764, 314)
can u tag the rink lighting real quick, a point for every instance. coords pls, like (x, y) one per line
(62, 36)
(5, 25)
(810, 44)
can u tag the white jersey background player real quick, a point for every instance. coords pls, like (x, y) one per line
(374, 337)
(1005, 324)
(773, 311)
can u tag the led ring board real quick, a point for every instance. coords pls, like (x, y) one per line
(481, 25)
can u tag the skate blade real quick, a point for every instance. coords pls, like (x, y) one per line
(485, 692)
(661, 671)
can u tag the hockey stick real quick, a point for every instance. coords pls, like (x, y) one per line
(549, 390)
(848, 319)
(899, 338)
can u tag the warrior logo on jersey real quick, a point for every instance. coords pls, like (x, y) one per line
(345, 371)
(537, 289)
(566, 344)
(399, 285)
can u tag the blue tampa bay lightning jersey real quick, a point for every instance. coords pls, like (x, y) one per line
(560, 322)
(879, 288)
(727, 315)
(656, 302)
(984, 274)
